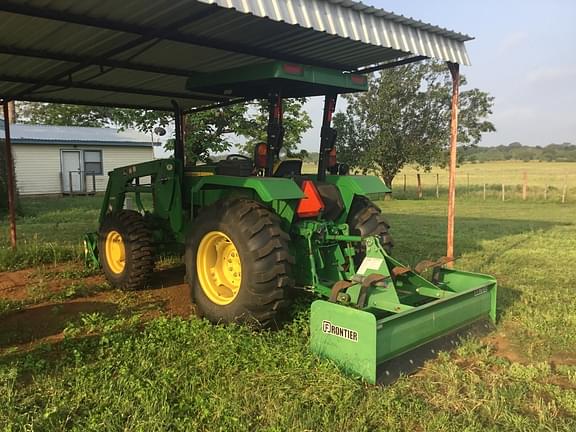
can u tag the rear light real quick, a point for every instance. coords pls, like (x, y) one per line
(359, 79)
(293, 69)
(311, 205)
(332, 158)
(261, 155)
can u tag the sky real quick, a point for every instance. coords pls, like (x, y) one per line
(524, 54)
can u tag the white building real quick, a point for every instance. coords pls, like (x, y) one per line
(64, 159)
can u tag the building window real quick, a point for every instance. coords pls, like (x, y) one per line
(93, 162)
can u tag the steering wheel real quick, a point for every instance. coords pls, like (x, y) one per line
(238, 157)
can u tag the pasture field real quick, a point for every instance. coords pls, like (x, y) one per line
(471, 178)
(78, 355)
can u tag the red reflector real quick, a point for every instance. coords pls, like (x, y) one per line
(311, 205)
(261, 155)
(293, 69)
(359, 79)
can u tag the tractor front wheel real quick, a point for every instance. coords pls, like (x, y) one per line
(126, 250)
(238, 263)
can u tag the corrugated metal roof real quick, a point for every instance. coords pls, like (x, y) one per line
(72, 135)
(138, 53)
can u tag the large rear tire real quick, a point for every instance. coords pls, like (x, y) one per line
(238, 263)
(126, 250)
(365, 219)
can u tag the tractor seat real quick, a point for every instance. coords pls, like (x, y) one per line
(288, 168)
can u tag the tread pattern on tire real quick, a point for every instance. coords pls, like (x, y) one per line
(138, 248)
(365, 219)
(267, 266)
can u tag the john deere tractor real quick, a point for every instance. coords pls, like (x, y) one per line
(255, 229)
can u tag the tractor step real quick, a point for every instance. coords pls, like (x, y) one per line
(360, 340)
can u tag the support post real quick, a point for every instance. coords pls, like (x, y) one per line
(179, 133)
(455, 73)
(327, 135)
(10, 176)
(275, 138)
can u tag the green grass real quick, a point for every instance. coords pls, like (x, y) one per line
(114, 371)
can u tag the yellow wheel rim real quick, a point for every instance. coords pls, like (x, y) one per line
(219, 268)
(115, 252)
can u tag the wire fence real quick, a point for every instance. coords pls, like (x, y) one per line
(435, 186)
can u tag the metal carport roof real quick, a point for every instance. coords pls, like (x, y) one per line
(138, 53)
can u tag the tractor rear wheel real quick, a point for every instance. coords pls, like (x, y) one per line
(238, 263)
(365, 219)
(126, 250)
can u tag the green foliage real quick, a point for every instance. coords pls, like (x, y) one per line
(210, 132)
(64, 115)
(404, 119)
(253, 127)
(206, 132)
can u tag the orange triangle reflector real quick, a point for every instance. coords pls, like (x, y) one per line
(311, 205)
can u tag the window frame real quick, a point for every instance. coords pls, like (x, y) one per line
(101, 162)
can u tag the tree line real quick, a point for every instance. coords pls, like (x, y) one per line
(565, 152)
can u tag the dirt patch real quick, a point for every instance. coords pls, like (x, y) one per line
(46, 321)
(503, 347)
(13, 284)
(47, 309)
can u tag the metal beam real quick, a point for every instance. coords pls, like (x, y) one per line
(146, 36)
(108, 88)
(37, 98)
(10, 175)
(71, 58)
(174, 35)
(389, 65)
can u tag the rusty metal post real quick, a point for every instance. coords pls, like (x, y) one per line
(455, 72)
(10, 175)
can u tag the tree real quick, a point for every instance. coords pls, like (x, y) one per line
(254, 125)
(64, 115)
(404, 119)
(206, 132)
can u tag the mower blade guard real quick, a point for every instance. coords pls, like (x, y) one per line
(358, 341)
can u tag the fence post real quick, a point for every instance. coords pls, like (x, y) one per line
(468, 184)
(419, 179)
(525, 187)
(564, 190)
(484, 192)
(503, 193)
(437, 185)
(404, 183)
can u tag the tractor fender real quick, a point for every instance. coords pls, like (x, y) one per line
(349, 186)
(268, 189)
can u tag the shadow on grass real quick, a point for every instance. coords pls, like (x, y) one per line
(419, 236)
(413, 361)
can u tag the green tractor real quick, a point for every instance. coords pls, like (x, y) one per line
(254, 229)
